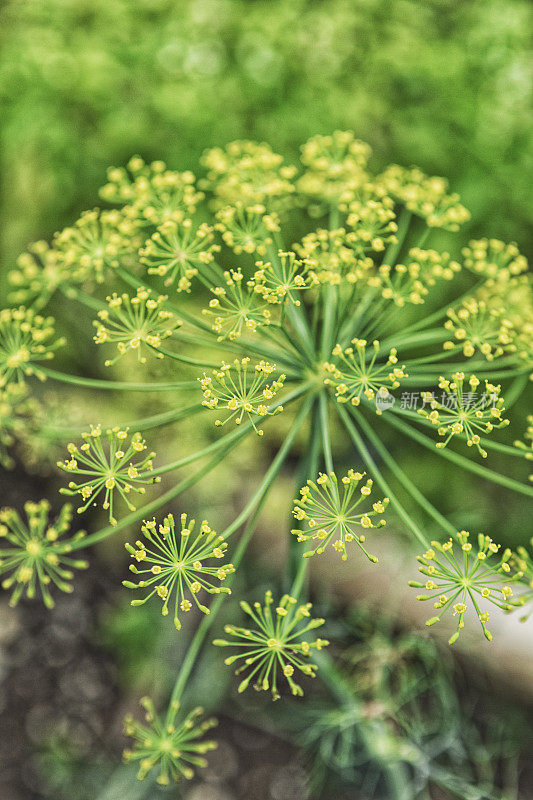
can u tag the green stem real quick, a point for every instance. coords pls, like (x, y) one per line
(324, 429)
(185, 359)
(255, 505)
(391, 254)
(328, 325)
(207, 621)
(371, 464)
(273, 470)
(228, 438)
(307, 468)
(402, 477)
(96, 383)
(458, 459)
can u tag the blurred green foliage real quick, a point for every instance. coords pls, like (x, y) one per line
(446, 84)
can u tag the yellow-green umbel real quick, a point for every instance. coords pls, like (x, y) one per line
(242, 389)
(26, 339)
(334, 514)
(274, 646)
(459, 574)
(106, 467)
(175, 745)
(171, 564)
(36, 558)
(135, 323)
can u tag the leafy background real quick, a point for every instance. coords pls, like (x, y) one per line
(84, 84)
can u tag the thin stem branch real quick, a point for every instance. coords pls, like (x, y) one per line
(371, 465)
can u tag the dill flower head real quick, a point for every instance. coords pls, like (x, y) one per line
(371, 225)
(237, 307)
(35, 558)
(333, 514)
(355, 372)
(463, 409)
(425, 196)
(40, 271)
(476, 327)
(459, 574)
(172, 562)
(328, 256)
(25, 338)
(98, 241)
(132, 322)
(284, 283)
(335, 167)
(251, 173)
(177, 250)
(17, 411)
(247, 229)
(175, 745)
(411, 282)
(273, 646)
(151, 192)
(242, 390)
(493, 258)
(108, 465)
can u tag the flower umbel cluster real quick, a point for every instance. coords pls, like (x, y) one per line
(231, 388)
(476, 327)
(332, 310)
(332, 514)
(354, 373)
(274, 645)
(236, 308)
(132, 322)
(172, 564)
(152, 193)
(175, 746)
(36, 558)
(465, 412)
(459, 573)
(24, 340)
(108, 464)
(177, 250)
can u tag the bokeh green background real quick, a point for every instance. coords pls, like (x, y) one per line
(445, 84)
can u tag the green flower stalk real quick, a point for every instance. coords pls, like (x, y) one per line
(118, 466)
(37, 558)
(274, 647)
(175, 746)
(172, 564)
(458, 575)
(332, 515)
